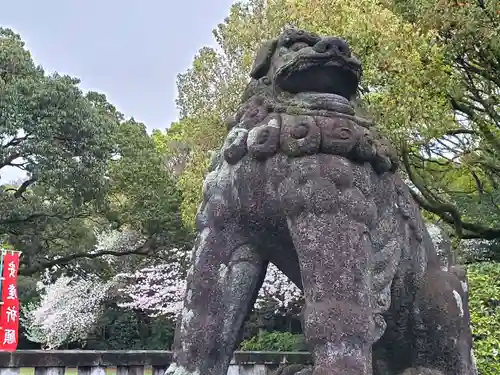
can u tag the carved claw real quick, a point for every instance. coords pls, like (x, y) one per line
(294, 369)
(421, 371)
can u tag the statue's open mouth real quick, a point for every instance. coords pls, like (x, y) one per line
(320, 74)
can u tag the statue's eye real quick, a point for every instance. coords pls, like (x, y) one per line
(298, 46)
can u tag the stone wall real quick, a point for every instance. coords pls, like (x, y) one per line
(134, 362)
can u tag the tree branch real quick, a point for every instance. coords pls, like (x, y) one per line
(9, 159)
(431, 198)
(447, 212)
(460, 131)
(16, 141)
(22, 189)
(38, 215)
(143, 249)
(488, 135)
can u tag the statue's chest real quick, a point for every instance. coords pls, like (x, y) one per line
(258, 157)
(306, 135)
(300, 135)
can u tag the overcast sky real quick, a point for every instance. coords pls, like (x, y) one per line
(129, 50)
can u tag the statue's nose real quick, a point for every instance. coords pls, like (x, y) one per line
(333, 44)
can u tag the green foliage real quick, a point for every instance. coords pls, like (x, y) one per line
(200, 136)
(275, 341)
(142, 192)
(425, 62)
(120, 329)
(87, 169)
(484, 305)
(457, 175)
(62, 140)
(430, 80)
(49, 129)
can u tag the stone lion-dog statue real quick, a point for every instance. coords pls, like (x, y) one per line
(303, 182)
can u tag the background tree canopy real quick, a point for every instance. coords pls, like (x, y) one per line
(86, 168)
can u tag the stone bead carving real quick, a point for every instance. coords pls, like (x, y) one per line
(338, 135)
(263, 140)
(236, 145)
(299, 135)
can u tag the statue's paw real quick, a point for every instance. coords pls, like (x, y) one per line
(174, 369)
(421, 371)
(294, 370)
(305, 371)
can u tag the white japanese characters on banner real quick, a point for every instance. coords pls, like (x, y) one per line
(9, 311)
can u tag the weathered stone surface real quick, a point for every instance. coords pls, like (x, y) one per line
(307, 185)
(421, 371)
(292, 369)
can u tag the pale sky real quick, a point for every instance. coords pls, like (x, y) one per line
(129, 50)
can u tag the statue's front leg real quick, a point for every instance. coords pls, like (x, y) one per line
(329, 221)
(222, 287)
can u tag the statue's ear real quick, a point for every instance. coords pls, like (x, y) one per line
(262, 61)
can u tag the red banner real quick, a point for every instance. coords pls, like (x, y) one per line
(9, 312)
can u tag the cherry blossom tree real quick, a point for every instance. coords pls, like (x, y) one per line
(69, 307)
(278, 288)
(117, 241)
(158, 289)
(67, 311)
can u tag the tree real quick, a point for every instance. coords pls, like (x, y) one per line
(67, 311)
(86, 169)
(158, 289)
(457, 175)
(71, 306)
(59, 137)
(430, 82)
(279, 290)
(140, 194)
(97, 197)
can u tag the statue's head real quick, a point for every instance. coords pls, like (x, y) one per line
(299, 61)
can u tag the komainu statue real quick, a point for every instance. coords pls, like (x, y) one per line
(303, 182)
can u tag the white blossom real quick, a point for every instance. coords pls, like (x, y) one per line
(278, 288)
(117, 241)
(158, 289)
(69, 307)
(470, 249)
(67, 311)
